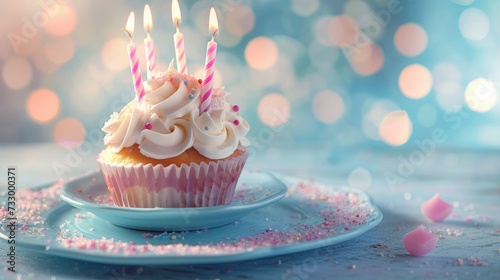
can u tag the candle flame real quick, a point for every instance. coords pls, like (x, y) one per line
(213, 24)
(148, 19)
(129, 28)
(176, 13)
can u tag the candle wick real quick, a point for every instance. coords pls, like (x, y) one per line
(177, 25)
(128, 33)
(213, 34)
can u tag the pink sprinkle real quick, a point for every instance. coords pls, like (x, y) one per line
(419, 242)
(334, 210)
(148, 126)
(103, 246)
(90, 197)
(91, 244)
(436, 209)
(79, 190)
(236, 108)
(236, 122)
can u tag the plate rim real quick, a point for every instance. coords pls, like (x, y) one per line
(55, 249)
(173, 259)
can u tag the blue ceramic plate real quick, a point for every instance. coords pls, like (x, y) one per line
(310, 216)
(90, 193)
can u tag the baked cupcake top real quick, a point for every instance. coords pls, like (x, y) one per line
(167, 121)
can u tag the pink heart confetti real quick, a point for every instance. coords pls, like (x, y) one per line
(436, 209)
(419, 241)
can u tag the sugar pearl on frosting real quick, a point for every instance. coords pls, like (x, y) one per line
(199, 81)
(236, 108)
(236, 122)
(124, 128)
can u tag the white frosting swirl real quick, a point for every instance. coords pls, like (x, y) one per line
(167, 122)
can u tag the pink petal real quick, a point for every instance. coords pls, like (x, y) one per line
(419, 242)
(436, 209)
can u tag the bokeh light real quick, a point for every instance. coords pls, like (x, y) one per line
(328, 106)
(358, 9)
(17, 73)
(274, 110)
(261, 53)
(321, 28)
(43, 105)
(444, 72)
(375, 113)
(226, 39)
(474, 24)
(63, 20)
(289, 47)
(86, 97)
(415, 81)
(410, 39)
(26, 48)
(114, 54)
(395, 129)
(449, 95)
(360, 54)
(240, 20)
(342, 30)
(69, 133)
(359, 178)
(305, 7)
(60, 51)
(343, 68)
(481, 95)
(367, 60)
(43, 64)
(446, 80)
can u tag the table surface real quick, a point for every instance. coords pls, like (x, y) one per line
(468, 242)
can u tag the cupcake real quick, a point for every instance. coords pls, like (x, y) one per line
(161, 152)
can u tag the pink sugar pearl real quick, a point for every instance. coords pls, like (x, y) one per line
(436, 209)
(419, 242)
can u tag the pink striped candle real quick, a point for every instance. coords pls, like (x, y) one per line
(148, 43)
(134, 59)
(180, 51)
(206, 90)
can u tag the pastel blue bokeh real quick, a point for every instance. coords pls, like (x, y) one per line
(462, 45)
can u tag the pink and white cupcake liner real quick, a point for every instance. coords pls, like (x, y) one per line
(193, 185)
